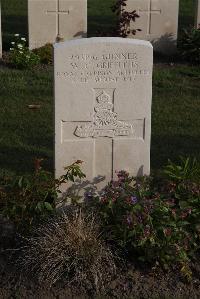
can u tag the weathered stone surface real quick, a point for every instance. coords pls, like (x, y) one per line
(158, 22)
(197, 13)
(51, 20)
(103, 91)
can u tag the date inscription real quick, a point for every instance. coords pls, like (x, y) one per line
(105, 68)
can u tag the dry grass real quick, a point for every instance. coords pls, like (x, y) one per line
(69, 246)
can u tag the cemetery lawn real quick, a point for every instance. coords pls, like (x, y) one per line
(100, 17)
(26, 134)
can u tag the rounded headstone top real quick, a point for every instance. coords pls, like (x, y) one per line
(112, 40)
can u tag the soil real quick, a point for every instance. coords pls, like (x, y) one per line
(130, 282)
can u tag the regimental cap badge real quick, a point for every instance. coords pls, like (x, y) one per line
(103, 98)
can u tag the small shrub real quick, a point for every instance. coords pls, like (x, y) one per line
(124, 19)
(153, 224)
(187, 170)
(27, 199)
(20, 55)
(45, 53)
(189, 45)
(69, 246)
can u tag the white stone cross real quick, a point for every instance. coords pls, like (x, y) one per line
(58, 12)
(150, 12)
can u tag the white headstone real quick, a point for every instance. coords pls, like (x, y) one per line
(54, 20)
(103, 92)
(158, 22)
(197, 14)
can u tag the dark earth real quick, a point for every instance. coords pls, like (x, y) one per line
(131, 281)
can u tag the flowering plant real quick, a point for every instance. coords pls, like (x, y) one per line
(125, 19)
(156, 224)
(26, 200)
(21, 56)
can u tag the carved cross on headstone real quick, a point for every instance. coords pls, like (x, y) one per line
(149, 12)
(58, 12)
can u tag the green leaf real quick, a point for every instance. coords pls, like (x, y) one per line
(20, 182)
(183, 203)
(183, 223)
(48, 206)
(137, 207)
(39, 206)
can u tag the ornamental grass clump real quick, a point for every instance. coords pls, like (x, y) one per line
(20, 55)
(70, 247)
(157, 224)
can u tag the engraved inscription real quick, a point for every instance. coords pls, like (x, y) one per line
(104, 68)
(105, 121)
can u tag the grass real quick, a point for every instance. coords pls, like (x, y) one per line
(69, 246)
(175, 113)
(14, 20)
(186, 13)
(100, 17)
(26, 134)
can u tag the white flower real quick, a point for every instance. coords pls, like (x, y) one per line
(17, 34)
(20, 46)
(13, 43)
(23, 38)
(11, 49)
(20, 52)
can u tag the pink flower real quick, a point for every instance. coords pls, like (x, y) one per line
(103, 199)
(147, 231)
(174, 212)
(167, 232)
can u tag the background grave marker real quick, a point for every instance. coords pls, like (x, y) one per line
(55, 20)
(197, 13)
(158, 22)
